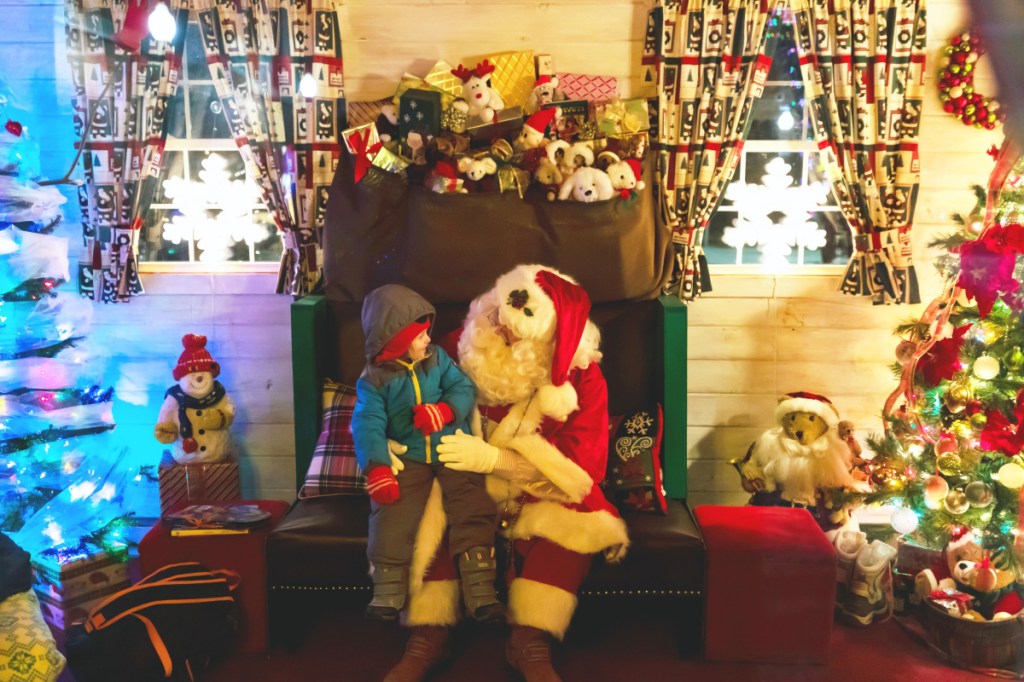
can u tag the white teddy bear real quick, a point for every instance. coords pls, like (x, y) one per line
(625, 175)
(478, 97)
(476, 171)
(196, 412)
(587, 185)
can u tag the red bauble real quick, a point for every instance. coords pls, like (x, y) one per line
(14, 128)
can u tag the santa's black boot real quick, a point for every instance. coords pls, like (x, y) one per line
(426, 649)
(529, 651)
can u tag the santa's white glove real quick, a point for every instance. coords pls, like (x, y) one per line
(464, 452)
(615, 553)
(394, 450)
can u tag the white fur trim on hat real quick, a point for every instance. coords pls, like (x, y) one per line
(557, 402)
(799, 404)
(535, 319)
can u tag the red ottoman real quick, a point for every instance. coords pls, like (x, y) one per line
(244, 554)
(771, 581)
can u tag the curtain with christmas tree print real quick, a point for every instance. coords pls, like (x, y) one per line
(121, 101)
(259, 51)
(711, 60)
(862, 63)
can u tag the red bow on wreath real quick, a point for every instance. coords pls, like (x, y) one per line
(1000, 435)
(986, 267)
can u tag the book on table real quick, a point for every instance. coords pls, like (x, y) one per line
(216, 519)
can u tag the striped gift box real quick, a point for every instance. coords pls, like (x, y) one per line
(198, 483)
(67, 591)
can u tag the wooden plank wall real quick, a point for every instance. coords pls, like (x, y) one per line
(754, 337)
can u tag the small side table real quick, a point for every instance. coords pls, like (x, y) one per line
(244, 554)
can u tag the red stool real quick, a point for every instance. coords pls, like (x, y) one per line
(244, 554)
(771, 581)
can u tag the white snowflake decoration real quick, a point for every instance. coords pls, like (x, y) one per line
(776, 194)
(638, 423)
(215, 211)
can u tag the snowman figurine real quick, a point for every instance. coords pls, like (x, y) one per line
(196, 412)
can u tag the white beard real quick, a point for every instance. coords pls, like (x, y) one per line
(802, 470)
(503, 374)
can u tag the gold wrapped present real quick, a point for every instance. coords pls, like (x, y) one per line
(513, 179)
(505, 121)
(513, 76)
(441, 77)
(623, 117)
(386, 159)
(410, 82)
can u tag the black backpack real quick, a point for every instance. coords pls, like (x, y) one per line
(169, 625)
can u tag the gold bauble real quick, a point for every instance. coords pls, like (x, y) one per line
(883, 476)
(957, 396)
(979, 494)
(978, 420)
(961, 428)
(949, 464)
(956, 502)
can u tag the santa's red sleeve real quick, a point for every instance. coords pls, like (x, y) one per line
(583, 437)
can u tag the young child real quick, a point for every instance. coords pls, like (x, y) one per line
(412, 393)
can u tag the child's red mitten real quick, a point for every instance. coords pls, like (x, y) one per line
(382, 485)
(431, 417)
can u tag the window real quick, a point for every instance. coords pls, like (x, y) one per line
(779, 209)
(207, 209)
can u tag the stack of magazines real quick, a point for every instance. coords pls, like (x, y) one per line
(216, 519)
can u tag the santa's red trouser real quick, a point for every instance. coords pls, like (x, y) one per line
(543, 581)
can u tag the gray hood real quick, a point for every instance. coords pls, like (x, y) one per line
(386, 311)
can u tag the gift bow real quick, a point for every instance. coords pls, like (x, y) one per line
(364, 152)
(624, 120)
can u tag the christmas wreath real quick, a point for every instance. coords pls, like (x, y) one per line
(956, 83)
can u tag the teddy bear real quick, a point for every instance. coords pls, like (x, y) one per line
(800, 457)
(532, 134)
(478, 97)
(587, 185)
(545, 91)
(476, 171)
(965, 567)
(625, 175)
(387, 123)
(549, 177)
(197, 411)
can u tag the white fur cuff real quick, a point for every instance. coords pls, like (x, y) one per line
(541, 606)
(557, 402)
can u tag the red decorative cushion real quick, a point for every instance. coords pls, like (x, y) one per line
(333, 469)
(633, 480)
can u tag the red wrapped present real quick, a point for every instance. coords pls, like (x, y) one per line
(68, 590)
(771, 585)
(198, 482)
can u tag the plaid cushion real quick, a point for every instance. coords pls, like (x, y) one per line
(334, 470)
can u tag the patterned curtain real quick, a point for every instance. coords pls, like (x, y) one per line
(121, 101)
(712, 60)
(258, 51)
(862, 63)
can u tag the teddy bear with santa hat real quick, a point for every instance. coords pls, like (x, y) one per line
(197, 411)
(541, 436)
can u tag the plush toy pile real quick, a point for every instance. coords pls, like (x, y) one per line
(508, 123)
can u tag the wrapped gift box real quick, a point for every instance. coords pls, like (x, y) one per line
(513, 76)
(505, 121)
(68, 590)
(419, 111)
(198, 482)
(596, 89)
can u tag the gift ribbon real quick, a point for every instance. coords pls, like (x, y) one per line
(624, 120)
(364, 152)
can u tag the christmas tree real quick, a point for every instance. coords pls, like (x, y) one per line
(950, 460)
(65, 478)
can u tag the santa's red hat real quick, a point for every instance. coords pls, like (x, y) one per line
(538, 302)
(801, 401)
(195, 358)
(541, 120)
(638, 172)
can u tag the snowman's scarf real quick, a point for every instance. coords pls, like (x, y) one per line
(185, 401)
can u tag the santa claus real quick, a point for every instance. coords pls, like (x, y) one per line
(542, 437)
